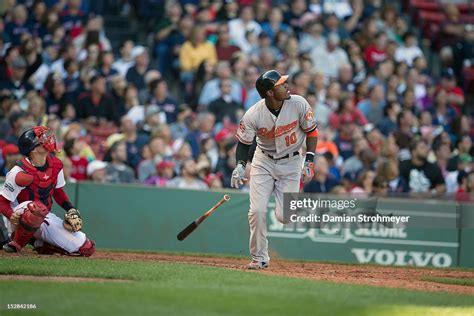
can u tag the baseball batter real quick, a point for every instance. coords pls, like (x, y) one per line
(281, 123)
(27, 196)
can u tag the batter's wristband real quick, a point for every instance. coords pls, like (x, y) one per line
(309, 157)
(243, 163)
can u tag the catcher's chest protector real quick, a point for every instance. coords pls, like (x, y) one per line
(43, 184)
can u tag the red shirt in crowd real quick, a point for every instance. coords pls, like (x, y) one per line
(373, 55)
(79, 168)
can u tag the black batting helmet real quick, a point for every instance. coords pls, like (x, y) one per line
(268, 80)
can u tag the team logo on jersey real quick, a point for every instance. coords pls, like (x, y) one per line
(242, 127)
(276, 132)
(309, 115)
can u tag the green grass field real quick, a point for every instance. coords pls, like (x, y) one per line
(181, 289)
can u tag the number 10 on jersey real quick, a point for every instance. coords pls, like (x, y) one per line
(290, 139)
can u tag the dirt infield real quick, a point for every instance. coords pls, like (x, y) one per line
(393, 277)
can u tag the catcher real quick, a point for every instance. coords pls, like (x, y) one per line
(26, 200)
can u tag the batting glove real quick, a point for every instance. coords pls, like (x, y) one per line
(307, 173)
(238, 177)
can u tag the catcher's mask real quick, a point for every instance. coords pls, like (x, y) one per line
(37, 136)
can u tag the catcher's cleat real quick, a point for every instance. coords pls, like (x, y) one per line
(10, 248)
(256, 265)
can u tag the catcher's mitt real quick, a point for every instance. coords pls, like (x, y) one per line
(72, 220)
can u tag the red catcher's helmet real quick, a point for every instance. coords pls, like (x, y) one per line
(37, 136)
(268, 80)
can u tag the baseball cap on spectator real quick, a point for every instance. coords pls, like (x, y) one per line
(447, 73)
(95, 165)
(137, 51)
(223, 134)
(209, 178)
(19, 62)
(10, 149)
(164, 164)
(112, 139)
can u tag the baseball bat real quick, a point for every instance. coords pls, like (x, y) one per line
(191, 227)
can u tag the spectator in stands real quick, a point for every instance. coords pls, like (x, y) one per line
(164, 173)
(372, 108)
(162, 98)
(117, 170)
(454, 94)
(376, 52)
(179, 128)
(347, 113)
(463, 146)
(453, 27)
(125, 62)
(239, 27)
(10, 154)
(409, 51)
(312, 37)
(211, 92)
(188, 178)
(95, 107)
(15, 84)
(354, 164)
(225, 49)
(388, 170)
(56, 99)
(96, 171)
(364, 184)
(136, 74)
(389, 123)
(134, 141)
(225, 108)
(72, 148)
(18, 25)
(73, 18)
(194, 51)
(323, 180)
(147, 168)
(331, 58)
(421, 175)
(251, 93)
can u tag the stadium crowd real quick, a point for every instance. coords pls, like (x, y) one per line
(165, 113)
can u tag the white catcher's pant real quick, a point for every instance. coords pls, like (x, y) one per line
(267, 176)
(52, 231)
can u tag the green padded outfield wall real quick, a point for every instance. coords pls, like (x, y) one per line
(147, 218)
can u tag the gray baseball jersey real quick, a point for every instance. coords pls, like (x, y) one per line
(278, 136)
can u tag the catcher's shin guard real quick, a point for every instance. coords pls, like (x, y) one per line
(87, 249)
(30, 221)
